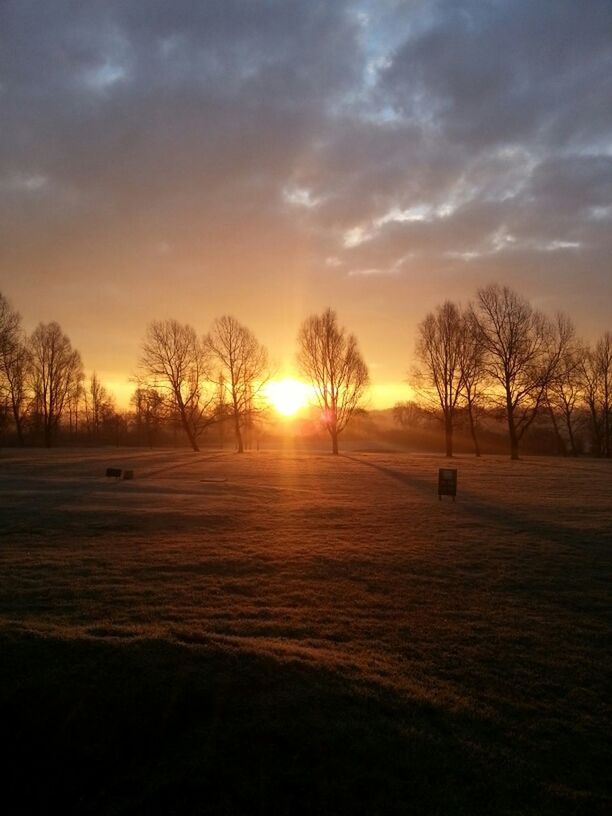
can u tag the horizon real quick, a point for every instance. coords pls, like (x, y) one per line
(380, 395)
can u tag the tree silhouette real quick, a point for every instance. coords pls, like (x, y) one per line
(595, 372)
(473, 372)
(603, 363)
(522, 351)
(55, 369)
(150, 411)
(14, 365)
(243, 372)
(329, 358)
(175, 360)
(99, 407)
(566, 393)
(440, 377)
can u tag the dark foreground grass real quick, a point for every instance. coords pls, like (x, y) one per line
(154, 727)
(296, 635)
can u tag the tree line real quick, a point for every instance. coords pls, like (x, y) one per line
(501, 358)
(183, 379)
(497, 358)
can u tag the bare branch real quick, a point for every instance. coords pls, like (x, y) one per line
(330, 359)
(244, 371)
(176, 361)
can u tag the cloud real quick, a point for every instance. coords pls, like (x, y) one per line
(249, 155)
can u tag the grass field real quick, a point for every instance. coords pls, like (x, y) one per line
(298, 633)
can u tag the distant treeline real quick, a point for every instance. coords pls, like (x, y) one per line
(495, 375)
(501, 359)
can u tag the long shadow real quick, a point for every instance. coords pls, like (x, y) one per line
(37, 497)
(208, 457)
(511, 518)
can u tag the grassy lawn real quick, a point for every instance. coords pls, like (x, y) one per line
(295, 633)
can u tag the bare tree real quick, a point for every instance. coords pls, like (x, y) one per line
(439, 379)
(603, 362)
(75, 404)
(562, 336)
(222, 410)
(99, 406)
(590, 384)
(329, 358)
(410, 414)
(473, 372)
(174, 359)
(596, 380)
(150, 411)
(56, 366)
(565, 394)
(17, 371)
(243, 372)
(522, 354)
(14, 365)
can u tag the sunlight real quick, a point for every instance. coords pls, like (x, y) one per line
(288, 396)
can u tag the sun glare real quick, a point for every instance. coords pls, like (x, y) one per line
(288, 396)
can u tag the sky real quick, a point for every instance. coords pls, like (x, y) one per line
(193, 158)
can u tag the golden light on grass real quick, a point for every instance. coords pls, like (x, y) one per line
(288, 396)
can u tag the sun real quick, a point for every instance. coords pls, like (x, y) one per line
(288, 395)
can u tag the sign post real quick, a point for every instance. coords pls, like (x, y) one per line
(447, 482)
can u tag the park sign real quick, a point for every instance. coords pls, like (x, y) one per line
(447, 482)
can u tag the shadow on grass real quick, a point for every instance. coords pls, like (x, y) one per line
(510, 518)
(157, 727)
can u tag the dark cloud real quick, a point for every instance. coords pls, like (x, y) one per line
(500, 72)
(270, 157)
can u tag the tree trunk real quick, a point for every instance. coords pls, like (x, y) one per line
(239, 440)
(18, 427)
(559, 439)
(192, 440)
(473, 430)
(334, 437)
(448, 433)
(595, 433)
(570, 433)
(514, 442)
(185, 423)
(606, 415)
(188, 430)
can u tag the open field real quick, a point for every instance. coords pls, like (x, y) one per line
(296, 633)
